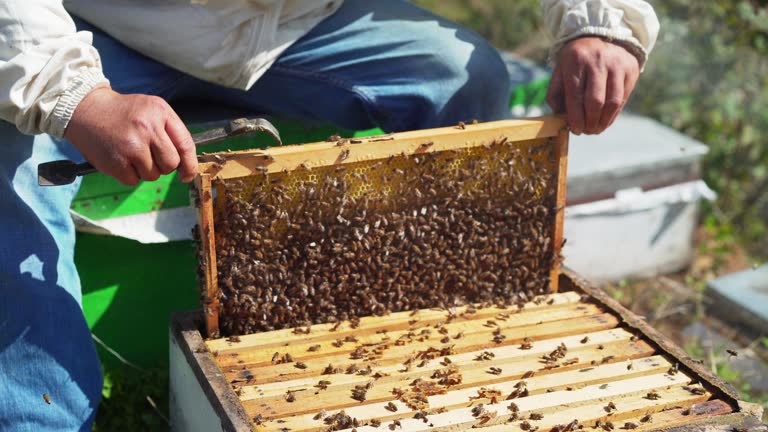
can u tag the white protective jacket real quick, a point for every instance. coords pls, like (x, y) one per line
(47, 67)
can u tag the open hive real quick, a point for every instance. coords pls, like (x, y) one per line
(572, 360)
(412, 282)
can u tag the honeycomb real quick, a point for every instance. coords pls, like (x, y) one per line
(431, 229)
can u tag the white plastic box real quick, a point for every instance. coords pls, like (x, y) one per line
(633, 198)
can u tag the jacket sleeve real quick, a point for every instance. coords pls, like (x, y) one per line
(46, 66)
(631, 23)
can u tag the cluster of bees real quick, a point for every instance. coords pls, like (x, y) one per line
(436, 230)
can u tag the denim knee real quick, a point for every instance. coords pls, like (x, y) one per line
(480, 88)
(459, 76)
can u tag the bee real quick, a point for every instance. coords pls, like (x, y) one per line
(536, 416)
(478, 410)
(375, 422)
(233, 339)
(359, 392)
(334, 138)
(646, 418)
(390, 407)
(611, 407)
(585, 339)
(300, 365)
(321, 415)
(290, 396)
(674, 369)
(314, 348)
(463, 125)
(732, 353)
(275, 356)
(344, 155)
(485, 355)
(494, 370)
(653, 395)
(695, 390)
(630, 425)
(47, 398)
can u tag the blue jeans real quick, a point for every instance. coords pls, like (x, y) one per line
(383, 63)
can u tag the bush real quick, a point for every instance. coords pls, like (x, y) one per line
(707, 78)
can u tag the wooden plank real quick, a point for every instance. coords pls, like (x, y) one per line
(207, 254)
(246, 163)
(673, 417)
(398, 354)
(474, 380)
(630, 408)
(561, 405)
(472, 329)
(394, 321)
(521, 361)
(561, 155)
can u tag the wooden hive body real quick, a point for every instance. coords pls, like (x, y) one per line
(611, 356)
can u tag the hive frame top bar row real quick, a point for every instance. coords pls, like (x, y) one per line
(550, 130)
(222, 166)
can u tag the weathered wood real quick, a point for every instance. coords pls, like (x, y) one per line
(474, 332)
(615, 342)
(628, 393)
(674, 416)
(207, 253)
(396, 355)
(250, 162)
(311, 401)
(391, 322)
(630, 409)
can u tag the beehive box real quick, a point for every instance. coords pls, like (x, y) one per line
(473, 325)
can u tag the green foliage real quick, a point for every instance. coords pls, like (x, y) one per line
(707, 77)
(124, 405)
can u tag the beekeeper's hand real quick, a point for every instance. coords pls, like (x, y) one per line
(131, 137)
(591, 83)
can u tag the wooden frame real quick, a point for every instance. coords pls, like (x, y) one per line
(214, 167)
